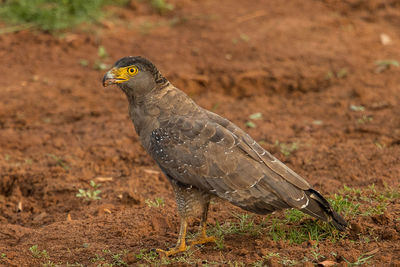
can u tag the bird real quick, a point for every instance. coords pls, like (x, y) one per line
(204, 155)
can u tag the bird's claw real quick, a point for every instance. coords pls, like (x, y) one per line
(202, 240)
(172, 251)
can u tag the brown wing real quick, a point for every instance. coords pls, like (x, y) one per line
(218, 157)
(258, 153)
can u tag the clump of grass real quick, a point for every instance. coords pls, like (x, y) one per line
(370, 200)
(3, 256)
(250, 124)
(147, 255)
(361, 260)
(36, 253)
(156, 203)
(152, 258)
(109, 258)
(357, 108)
(254, 116)
(161, 6)
(243, 224)
(306, 229)
(340, 74)
(364, 119)
(382, 65)
(297, 227)
(97, 258)
(52, 15)
(99, 63)
(92, 193)
(60, 162)
(287, 148)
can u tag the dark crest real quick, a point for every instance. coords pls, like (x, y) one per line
(144, 65)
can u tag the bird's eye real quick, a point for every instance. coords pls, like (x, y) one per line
(132, 70)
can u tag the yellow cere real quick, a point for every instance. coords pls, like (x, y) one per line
(125, 73)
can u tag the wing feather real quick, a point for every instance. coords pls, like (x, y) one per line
(258, 153)
(216, 156)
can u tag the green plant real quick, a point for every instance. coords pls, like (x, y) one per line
(158, 202)
(382, 65)
(49, 264)
(250, 124)
(344, 206)
(293, 215)
(341, 73)
(288, 262)
(246, 224)
(243, 224)
(97, 258)
(161, 6)
(117, 260)
(90, 194)
(50, 15)
(286, 148)
(60, 162)
(36, 253)
(357, 108)
(3, 256)
(297, 227)
(361, 260)
(369, 201)
(149, 256)
(256, 116)
(102, 54)
(84, 62)
(364, 119)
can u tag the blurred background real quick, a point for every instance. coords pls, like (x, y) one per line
(315, 82)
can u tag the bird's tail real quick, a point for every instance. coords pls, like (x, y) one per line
(320, 208)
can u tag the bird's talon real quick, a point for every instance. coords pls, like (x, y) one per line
(203, 240)
(170, 252)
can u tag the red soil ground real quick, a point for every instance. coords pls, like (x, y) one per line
(302, 64)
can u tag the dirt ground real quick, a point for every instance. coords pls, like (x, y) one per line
(309, 67)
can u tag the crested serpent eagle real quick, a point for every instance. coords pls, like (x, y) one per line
(203, 154)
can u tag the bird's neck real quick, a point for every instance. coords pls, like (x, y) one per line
(157, 107)
(137, 97)
(145, 110)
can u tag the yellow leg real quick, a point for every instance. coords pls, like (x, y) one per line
(181, 244)
(203, 238)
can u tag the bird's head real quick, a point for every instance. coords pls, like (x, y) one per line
(134, 75)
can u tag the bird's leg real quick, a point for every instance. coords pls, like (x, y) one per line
(203, 238)
(181, 244)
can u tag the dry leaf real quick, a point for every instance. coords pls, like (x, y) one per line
(327, 263)
(385, 39)
(151, 171)
(372, 252)
(104, 179)
(19, 206)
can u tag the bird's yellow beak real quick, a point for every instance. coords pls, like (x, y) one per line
(114, 76)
